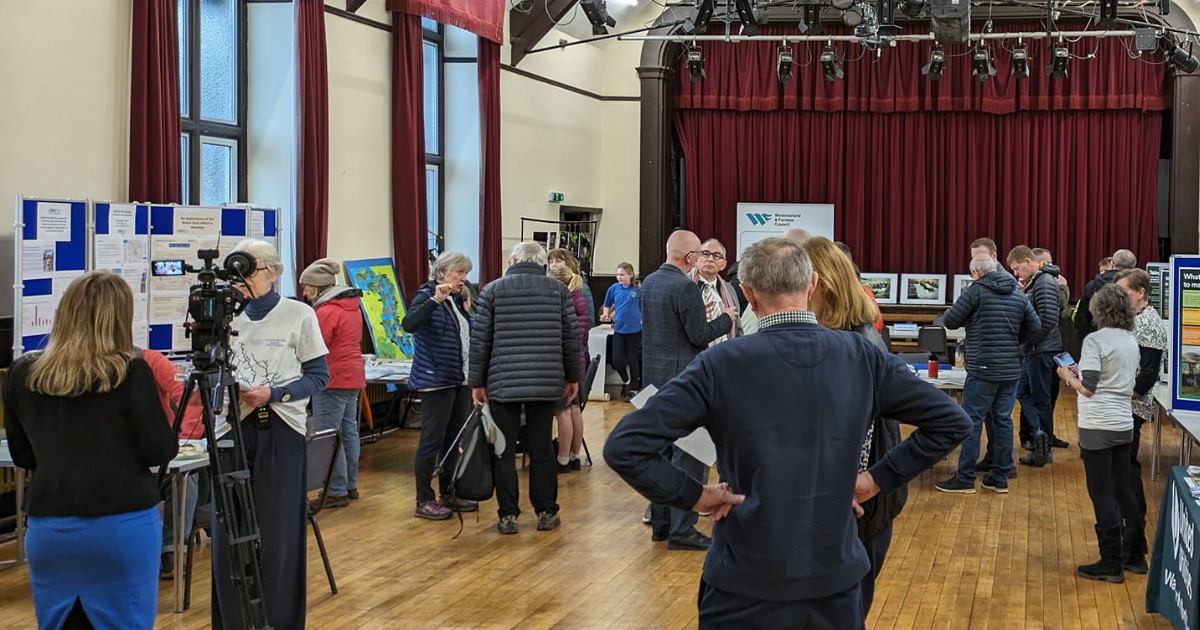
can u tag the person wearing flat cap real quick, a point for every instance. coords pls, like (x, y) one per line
(336, 407)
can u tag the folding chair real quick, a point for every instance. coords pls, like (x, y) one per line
(932, 339)
(322, 453)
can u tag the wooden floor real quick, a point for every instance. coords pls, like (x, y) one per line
(957, 561)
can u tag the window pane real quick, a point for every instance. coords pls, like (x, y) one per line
(433, 95)
(218, 172)
(428, 24)
(185, 164)
(432, 215)
(184, 51)
(218, 60)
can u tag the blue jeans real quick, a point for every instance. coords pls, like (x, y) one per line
(189, 506)
(982, 399)
(1034, 391)
(338, 409)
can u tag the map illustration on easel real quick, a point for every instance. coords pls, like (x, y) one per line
(382, 304)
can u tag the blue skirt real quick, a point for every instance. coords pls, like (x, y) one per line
(108, 563)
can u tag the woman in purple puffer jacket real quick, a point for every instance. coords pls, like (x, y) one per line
(568, 412)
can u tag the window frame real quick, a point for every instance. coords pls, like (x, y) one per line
(437, 38)
(194, 126)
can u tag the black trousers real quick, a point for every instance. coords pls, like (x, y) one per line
(278, 466)
(1107, 473)
(668, 522)
(720, 610)
(627, 354)
(543, 470)
(1135, 468)
(877, 548)
(443, 413)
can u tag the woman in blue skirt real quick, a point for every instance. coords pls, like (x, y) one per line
(83, 416)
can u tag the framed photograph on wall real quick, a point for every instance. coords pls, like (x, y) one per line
(922, 288)
(883, 285)
(961, 282)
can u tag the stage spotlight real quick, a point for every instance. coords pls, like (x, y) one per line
(695, 63)
(811, 23)
(842, 5)
(748, 16)
(858, 15)
(1182, 59)
(784, 65)
(597, 13)
(698, 19)
(1058, 62)
(829, 63)
(1108, 13)
(984, 69)
(937, 64)
(912, 8)
(1020, 62)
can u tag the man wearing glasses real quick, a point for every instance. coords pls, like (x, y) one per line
(718, 295)
(675, 329)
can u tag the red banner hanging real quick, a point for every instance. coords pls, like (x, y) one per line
(484, 18)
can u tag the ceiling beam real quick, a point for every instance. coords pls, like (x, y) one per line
(529, 25)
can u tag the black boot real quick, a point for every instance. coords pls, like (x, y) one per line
(1133, 546)
(1108, 568)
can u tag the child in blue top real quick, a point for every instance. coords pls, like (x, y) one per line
(621, 308)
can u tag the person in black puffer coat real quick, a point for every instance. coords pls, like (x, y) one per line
(998, 318)
(525, 355)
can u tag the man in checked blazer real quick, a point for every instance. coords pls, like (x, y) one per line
(675, 329)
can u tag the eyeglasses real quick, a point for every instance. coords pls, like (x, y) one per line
(712, 255)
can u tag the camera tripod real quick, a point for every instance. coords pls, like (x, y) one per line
(232, 494)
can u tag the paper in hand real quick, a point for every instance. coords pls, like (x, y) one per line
(698, 444)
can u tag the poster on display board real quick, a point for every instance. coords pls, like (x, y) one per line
(756, 221)
(1185, 332)
(382, 305)
(1160, 278)
(121, 244)
(50, 251)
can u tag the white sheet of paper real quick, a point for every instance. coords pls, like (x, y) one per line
(37, 259)
(141, 332)
(136, 276)
(109, 252)
(54, 221)
(167, 309)
(179, 339)
(171, 284)
(62, 280)
(121, 219)
(136, 250)
(197, 221)
(256, 223)
(698, 443)
(37, 314)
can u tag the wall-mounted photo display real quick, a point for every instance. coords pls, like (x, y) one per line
(922, 288)
(883, 285)
(961, 282)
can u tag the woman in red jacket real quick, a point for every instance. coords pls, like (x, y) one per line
(341, 323)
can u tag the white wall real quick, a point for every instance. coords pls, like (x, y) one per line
(64, 106)
(360, 105)
(271, 120)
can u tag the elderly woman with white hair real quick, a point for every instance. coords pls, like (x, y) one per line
(278, 356)
(441, 330)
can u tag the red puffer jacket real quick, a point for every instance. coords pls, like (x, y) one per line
(341, 323)
(583, 322)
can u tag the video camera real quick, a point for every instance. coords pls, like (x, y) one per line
(211, 305)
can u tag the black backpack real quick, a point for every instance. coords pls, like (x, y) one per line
(472, 477)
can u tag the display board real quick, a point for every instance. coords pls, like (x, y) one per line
(50, 250)
(382, 305)
(180, 232)
(756, 221)
(1185, 332)
(121, 244)
(1160, 287)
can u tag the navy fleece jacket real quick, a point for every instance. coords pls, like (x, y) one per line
(788, 410)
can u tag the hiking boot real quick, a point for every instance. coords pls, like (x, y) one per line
(1108, 569)
(432, 510)
(990, 482)
(353, 495)
(1041, 449)
(1027, 445)
(956, 486)
(507, 525)
(548, 521)
(1133, 546)
(329, 502)
(454, 504)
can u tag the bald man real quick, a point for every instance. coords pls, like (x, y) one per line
(797, 235)
(675, 329)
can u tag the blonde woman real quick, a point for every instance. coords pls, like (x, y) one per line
(567, 411)
(84, 414)
(278, 356)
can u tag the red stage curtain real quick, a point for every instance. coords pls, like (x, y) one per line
(491, 258)
(913, 190)
(154, 158)
(742, 77)
(312, 229)
(484, 18)
(410, 244)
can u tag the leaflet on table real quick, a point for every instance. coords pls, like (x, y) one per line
(698, 443)
(1189, 334)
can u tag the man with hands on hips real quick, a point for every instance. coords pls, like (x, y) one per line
(787, 409)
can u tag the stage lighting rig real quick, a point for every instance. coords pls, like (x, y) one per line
(1182, 59)
(1058, 61)
(950, 20)
(811, 23)
(597, 13)
(697, 19)
(912, 8)
(783, 66)
(984, 69)
(830, 65)
(695, 63)
(937, 64)
(748, 16)
(1020, 62)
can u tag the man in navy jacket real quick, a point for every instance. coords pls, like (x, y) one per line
(788, 409)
